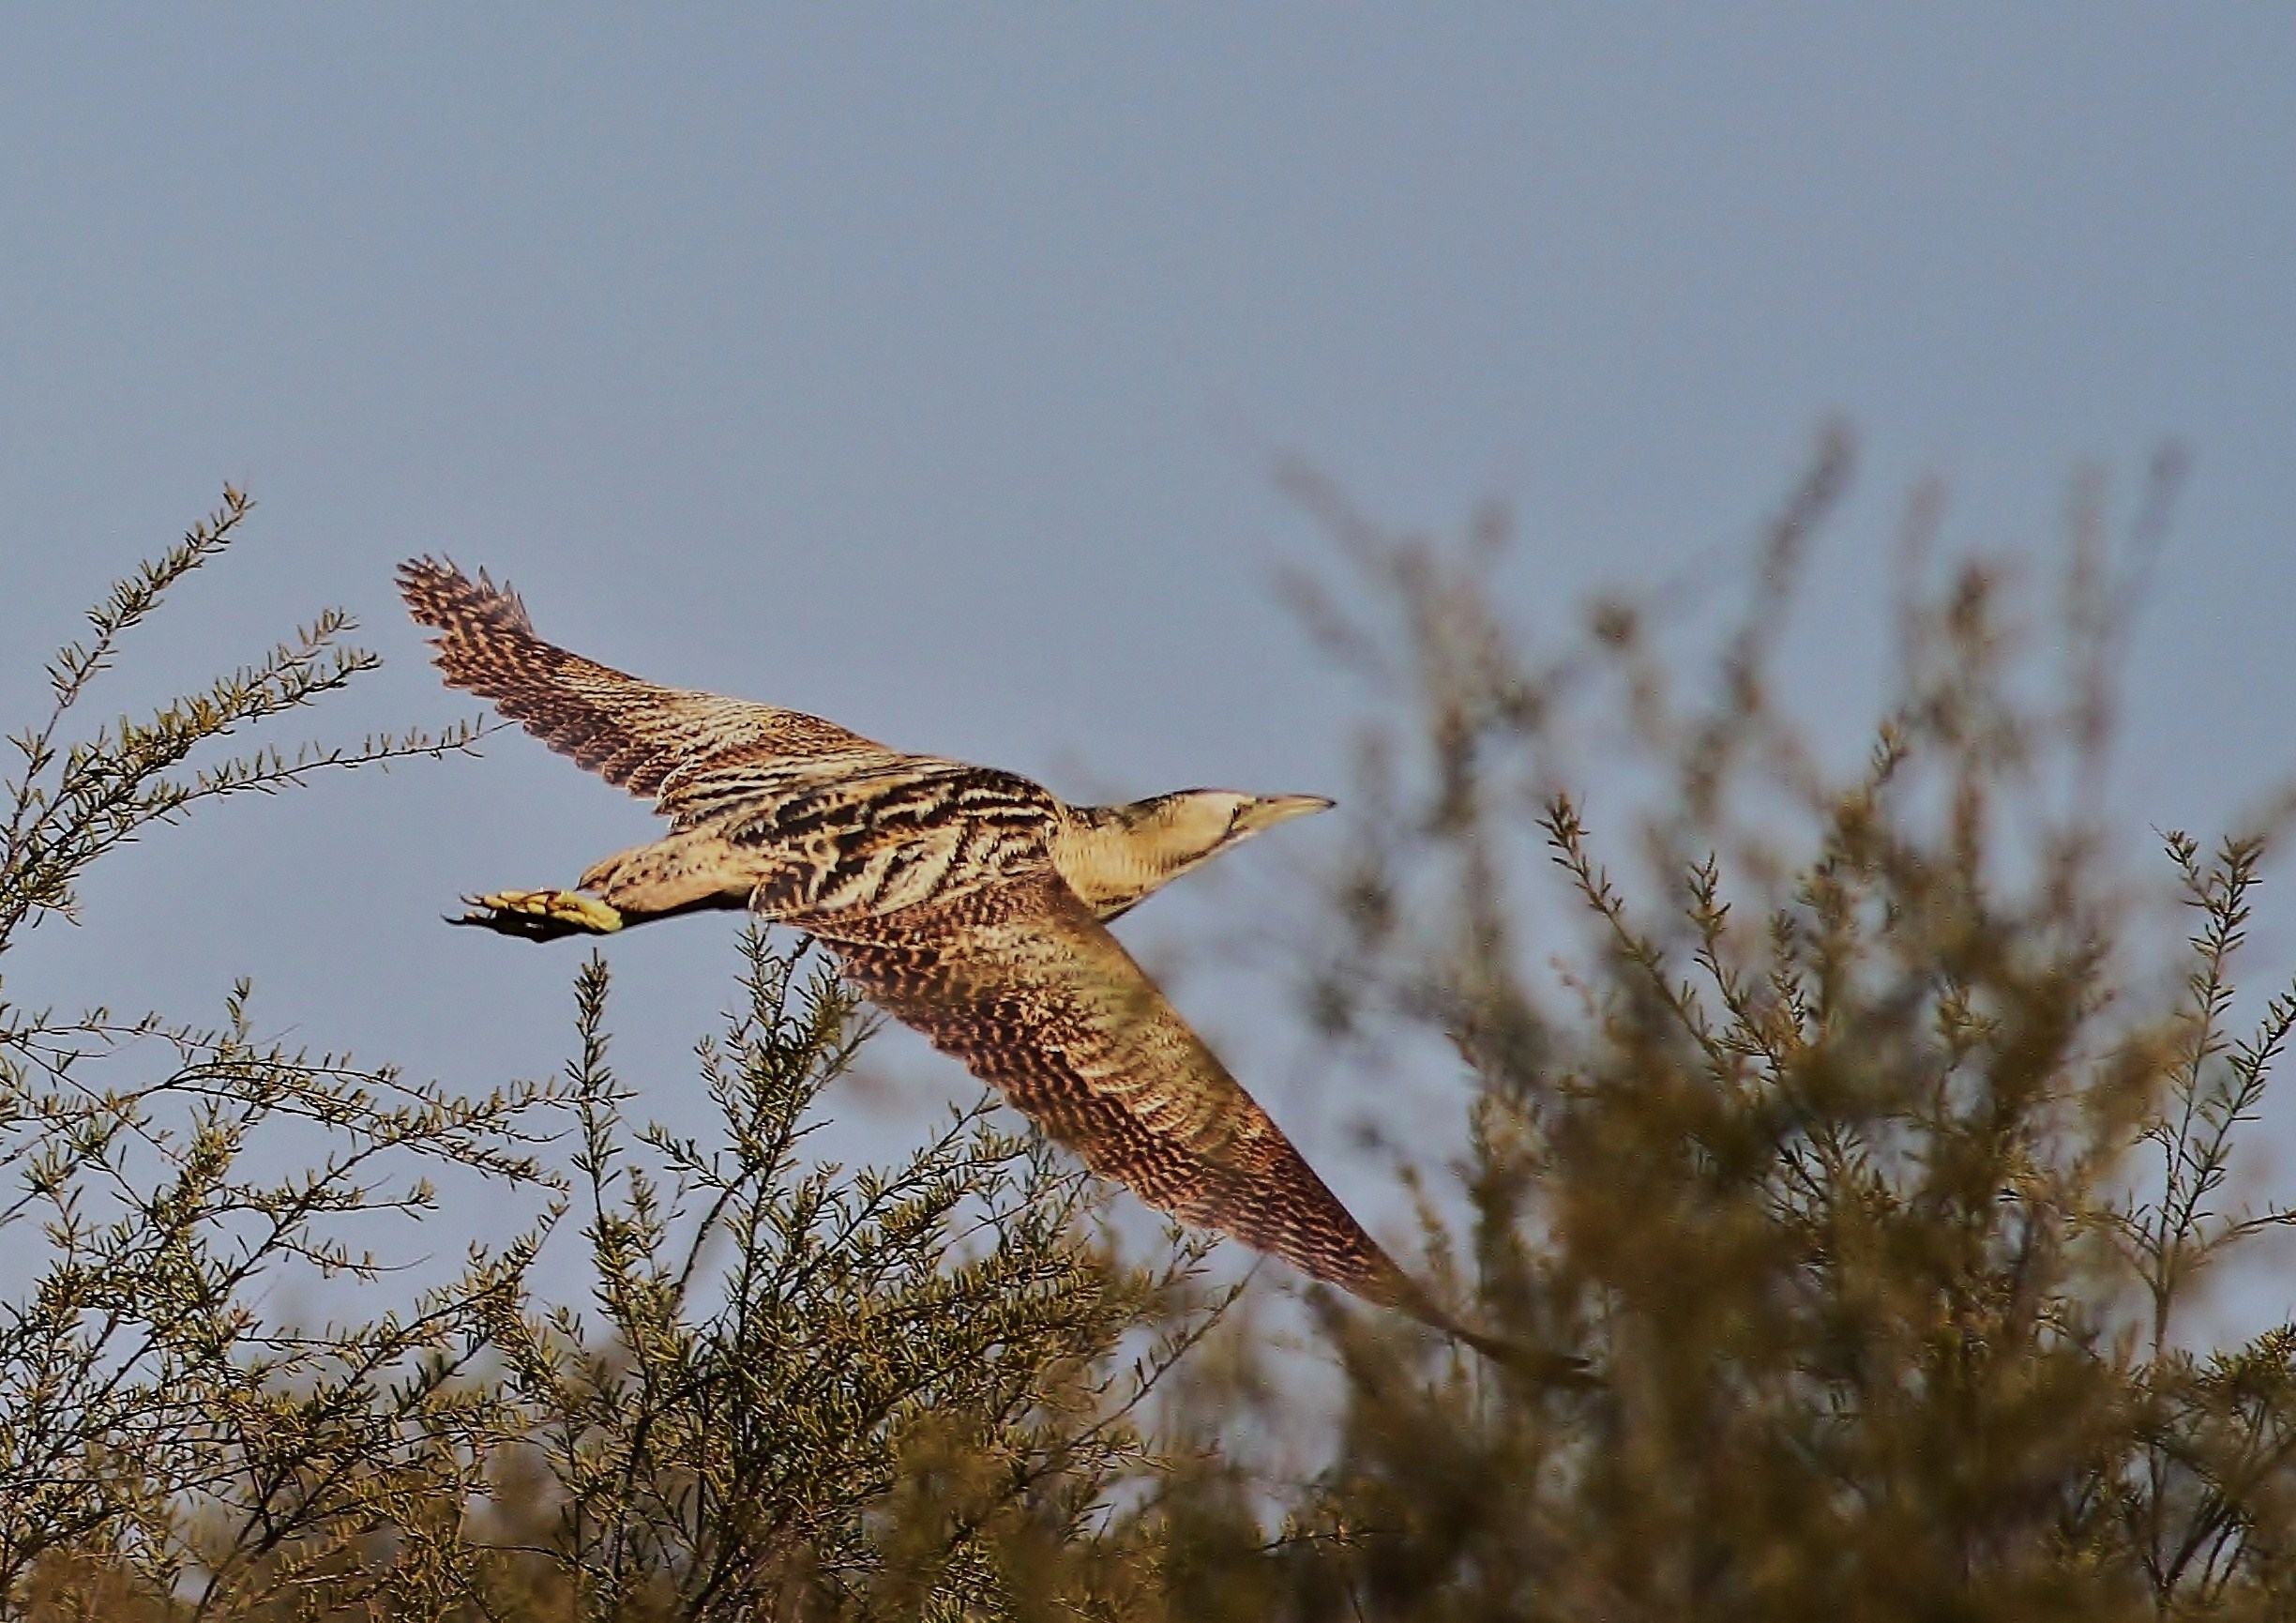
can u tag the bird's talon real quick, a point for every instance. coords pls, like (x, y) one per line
(541, 914)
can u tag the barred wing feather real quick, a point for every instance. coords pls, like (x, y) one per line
(649, 739)
(1022, 984)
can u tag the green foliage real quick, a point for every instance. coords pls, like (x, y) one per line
(1877, 1140)
(894, 1379)
(801, 1391)
(74, 802)
(154, 1420)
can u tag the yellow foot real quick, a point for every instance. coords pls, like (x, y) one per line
(540, 915)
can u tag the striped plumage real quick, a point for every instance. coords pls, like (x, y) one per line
(968, 903)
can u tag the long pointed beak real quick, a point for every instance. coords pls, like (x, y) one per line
(1270, 810)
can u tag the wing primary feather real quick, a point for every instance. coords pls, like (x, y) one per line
(640, 736)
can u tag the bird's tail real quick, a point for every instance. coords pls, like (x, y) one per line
(1542, 1365)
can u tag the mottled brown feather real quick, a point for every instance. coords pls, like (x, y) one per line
(934, 882)
(674, 745)
(1021, 983)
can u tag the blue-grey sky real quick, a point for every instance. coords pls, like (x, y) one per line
(923, 365)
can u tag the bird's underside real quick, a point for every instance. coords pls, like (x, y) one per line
(967, 902)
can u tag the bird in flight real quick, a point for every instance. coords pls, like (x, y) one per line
(970, 903)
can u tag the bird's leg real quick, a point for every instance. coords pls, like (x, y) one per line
(541, 915)
(684, 873)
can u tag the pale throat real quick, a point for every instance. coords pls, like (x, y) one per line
(1111, 861)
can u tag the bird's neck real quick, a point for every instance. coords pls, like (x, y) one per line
(1115, 856)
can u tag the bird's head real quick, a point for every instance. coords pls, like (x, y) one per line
(1119, 853)
(1194, 823)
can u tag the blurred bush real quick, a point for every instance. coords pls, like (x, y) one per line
(1845, 1119)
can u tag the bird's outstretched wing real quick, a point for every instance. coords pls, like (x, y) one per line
(675, 744)
(1020, 981)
